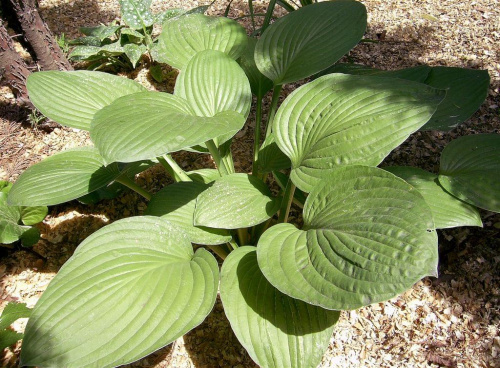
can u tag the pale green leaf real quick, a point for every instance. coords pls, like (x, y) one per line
(205, 176)
(470, 168)
(186, 35)
(309, 40)
(235, 201)
(212, 82)
(130, 288)
(100, 32)
(62, 177)
(134, 52)
(176, 203)
(276, 330)
(72, 98)
(447, 210)
(367, 237)
(343, 119)
(150, 124)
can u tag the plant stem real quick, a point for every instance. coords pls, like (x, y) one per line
(227, 161)
(219, 250)
(214, 151)
(256, 141)
(173, 169)
(233, 244)
(273, 108)
(286, 202)
(129, 183)
(242, 236)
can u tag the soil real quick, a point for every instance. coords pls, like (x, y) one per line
(450, 321)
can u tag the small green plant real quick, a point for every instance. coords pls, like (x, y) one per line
(63, 43)
(123, 45)
(35, 118)
(16, 222)
(138, 284)
(11, 313)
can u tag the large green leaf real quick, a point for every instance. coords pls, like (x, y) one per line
(470, 168)
(309, 40)
(368, 236)
(447, 210)
(466, 91)
(136, 13)
(176, 203)
(276, 330)
(235, 201)
(213, 83)
(259, 83)
(149, 124)
(184, 36)
(343, 119)
(72, 98)
(62, 177)
(130, 288)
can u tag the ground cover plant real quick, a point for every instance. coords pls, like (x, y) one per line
(138, 284)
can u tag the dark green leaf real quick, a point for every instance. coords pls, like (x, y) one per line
(470, 168)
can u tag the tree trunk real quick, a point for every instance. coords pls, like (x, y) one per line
(12, 67)
(47, 52)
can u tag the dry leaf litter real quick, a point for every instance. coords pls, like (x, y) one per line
(451, 321)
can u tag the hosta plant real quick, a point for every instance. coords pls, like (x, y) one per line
(366, 234)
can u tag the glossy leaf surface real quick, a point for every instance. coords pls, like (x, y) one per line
(259, 83)
(150, 124)
(470, 168)
(309, 40)
(367, 237)
(184, 36)
(235, 201)
(447, 210)
(347, 119)
(62, 177)
(130, 288)
(72, 98)
(176, 203)
(276, 330)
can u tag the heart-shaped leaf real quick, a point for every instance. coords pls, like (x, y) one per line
(62, 177)
(470, 168)
(136, 13)
(130, 288)
(447, 210)
(33, 215)
(309, 40)
(176, 203)
(212, 83)
(12, 312)
(368, 236)
(235, 201)
(343, 119)
(72, 98)
(186, 35)
(149, 124)
(276, 330)
(259, 83)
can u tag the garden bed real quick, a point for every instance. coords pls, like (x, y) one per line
(449, 321)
